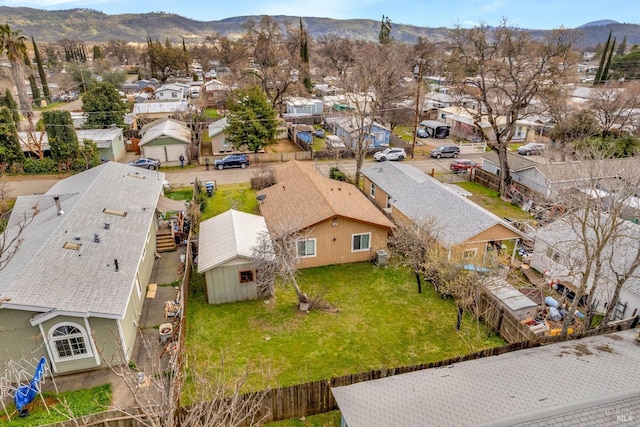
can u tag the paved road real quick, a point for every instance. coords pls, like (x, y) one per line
(22, 186)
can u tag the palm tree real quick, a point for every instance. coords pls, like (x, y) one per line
(13, 44)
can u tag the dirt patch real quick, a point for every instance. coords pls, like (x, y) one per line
(582, 350)
(605, 348)
(282, 146)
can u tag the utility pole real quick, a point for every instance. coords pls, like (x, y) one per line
(417, 74)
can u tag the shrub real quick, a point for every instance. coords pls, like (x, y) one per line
(36, 166)
(337, 174)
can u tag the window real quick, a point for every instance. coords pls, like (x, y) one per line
(388, 202)
(224, 142)
(361, 242)
(69, 341)
(372, 191)
(469, 254)
(306, 248)
(246, 276)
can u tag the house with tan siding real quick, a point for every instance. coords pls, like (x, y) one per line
(463, 228)
(338, 223)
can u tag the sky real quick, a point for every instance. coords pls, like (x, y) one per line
(533, 14)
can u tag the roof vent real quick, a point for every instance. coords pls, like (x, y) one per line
(96, 238)
(106, 225)
(59, 210)
(77, 237)
(115, 262)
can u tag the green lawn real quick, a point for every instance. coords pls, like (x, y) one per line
(231, 196)
(380, 321)
(491, 201)
(211, 113)
(81, 403)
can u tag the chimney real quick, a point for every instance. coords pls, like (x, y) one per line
(59, 210)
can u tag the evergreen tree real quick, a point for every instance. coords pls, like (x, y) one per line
(41, 72)
(603, 58)
(12, 105)
(251, 119)
(605, 72)
(186, 58)
(304, 57)
(97, 52)
(63, 140)
(622, 48)
(10, 150)
(103, 106)
(35, 92)
(385, 30)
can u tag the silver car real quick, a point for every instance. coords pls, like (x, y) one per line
(390, 154)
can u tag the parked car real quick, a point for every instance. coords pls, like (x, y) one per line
(319, 133)
(390, 154)
(531, 148)
(462, 165)
(446, 150)
(422, 133)
(144, 162)
(334, 142)
(232, 161)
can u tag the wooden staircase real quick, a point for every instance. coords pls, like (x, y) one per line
(165, 242)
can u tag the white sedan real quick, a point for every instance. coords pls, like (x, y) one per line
(390, 154)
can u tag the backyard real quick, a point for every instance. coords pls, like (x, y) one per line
(377, 319)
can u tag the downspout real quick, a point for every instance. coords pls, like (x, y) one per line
(96, 356)
(122, 342)
(46, 345)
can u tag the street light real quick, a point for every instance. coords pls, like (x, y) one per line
(417, 74)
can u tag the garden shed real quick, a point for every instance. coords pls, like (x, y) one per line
(518, 304)
(225, 255)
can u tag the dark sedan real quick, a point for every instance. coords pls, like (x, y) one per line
(232, 161)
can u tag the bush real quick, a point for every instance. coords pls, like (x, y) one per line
(36, 166)
(337, 174)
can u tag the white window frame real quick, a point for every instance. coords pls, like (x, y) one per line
(82, 333)
(353, 237)
(469, 254)
(372, 191)
(224, 143)
(315, 248)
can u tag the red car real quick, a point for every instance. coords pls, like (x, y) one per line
(462, 165)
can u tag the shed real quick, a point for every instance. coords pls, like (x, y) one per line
(166, 140)
(225, 255)
(520, 305)
(436, 129)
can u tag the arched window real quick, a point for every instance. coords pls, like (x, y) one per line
(69, 341)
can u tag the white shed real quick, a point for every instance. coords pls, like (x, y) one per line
(225, 255)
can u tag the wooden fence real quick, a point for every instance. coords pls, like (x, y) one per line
(486, 179)
(501, 320)
(279, 157)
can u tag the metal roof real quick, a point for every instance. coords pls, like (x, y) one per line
(537, 386)
(508, 295)
(44, 276)
(227, 236)
(425, 200)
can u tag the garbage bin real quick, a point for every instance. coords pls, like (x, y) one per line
(210, 186)
(381, 258)
(166, 329)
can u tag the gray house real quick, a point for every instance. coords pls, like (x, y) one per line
(599, 379)
(225, 255)
(76, 283)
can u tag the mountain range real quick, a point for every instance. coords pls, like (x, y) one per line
(92, 26)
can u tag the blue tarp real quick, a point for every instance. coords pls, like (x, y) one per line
(26, 393)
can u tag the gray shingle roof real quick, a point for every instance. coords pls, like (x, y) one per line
(537, 386)
(44, 276)
(425, 200)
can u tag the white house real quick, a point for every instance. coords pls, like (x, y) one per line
(170, 93)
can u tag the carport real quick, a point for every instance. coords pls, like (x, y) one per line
(436, 129)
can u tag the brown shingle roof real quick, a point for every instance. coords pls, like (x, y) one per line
(303, 197)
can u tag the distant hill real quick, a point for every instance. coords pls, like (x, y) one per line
(93, 26)
(599, 23)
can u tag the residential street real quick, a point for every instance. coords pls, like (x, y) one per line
(27, 185)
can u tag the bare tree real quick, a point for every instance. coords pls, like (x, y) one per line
(412, 242)
(12, 228)
(503, 70)
(157, 392)
(276, 257)
(595, 246)
(614, 107)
